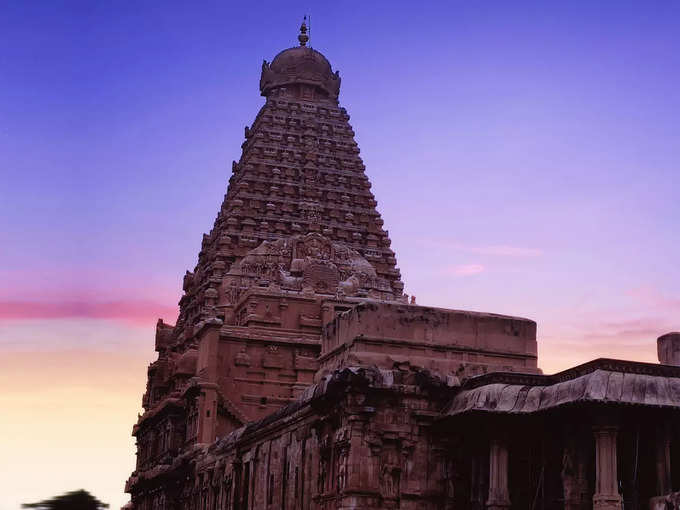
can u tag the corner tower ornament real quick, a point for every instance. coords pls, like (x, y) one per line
(297, 375)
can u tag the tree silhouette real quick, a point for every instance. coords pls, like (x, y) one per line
(75, 500)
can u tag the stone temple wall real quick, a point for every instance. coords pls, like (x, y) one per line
(358, 439)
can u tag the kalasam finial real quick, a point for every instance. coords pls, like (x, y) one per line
(303, 37)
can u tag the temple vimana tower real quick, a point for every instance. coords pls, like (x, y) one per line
(299, 376)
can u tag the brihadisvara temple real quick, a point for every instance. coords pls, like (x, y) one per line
(299, 375)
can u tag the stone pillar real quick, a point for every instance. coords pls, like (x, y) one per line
(499, 495)
(663, 460)
(668, 349)
(607, 495)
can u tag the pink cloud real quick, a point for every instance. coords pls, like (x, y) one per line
(610, 326)
(610, 333)
(502, 250)
(135, 311)
(653, 297)
(626, 334)
(555, 356)
(467, 269)
(62, 285)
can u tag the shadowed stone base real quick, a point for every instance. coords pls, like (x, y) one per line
(612, 502)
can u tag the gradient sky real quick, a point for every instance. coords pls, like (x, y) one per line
(524, 156)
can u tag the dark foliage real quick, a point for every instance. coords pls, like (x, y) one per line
(75, 500)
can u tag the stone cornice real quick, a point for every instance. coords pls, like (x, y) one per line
(613, 365)
(429, 345)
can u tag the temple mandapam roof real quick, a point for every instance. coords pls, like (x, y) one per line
(603, 381)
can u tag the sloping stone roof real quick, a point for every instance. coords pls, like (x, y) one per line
(602, 381)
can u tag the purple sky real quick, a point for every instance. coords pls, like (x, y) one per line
(525, 157)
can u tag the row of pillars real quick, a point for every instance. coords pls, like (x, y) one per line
(606, 495)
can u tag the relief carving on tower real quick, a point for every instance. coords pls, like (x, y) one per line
(311, 264)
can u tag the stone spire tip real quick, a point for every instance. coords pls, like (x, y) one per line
(303, 37)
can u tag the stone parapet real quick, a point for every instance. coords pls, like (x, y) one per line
(449, 342)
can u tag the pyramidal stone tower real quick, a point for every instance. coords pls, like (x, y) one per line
(296, 240)
(300, 185)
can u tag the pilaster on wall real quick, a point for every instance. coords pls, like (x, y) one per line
(208, 346)
(362, 470)
(207, 414)
(207, 374)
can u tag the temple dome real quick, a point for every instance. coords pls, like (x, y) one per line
(302, 58)
(300, 65)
